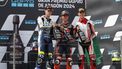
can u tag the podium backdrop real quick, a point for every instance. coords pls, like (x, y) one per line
(28, 11)
(106, 15)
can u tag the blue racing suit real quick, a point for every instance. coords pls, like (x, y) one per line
(45, 46)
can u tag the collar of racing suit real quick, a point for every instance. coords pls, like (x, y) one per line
(83, 20)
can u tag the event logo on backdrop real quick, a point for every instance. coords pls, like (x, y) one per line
(22, 3)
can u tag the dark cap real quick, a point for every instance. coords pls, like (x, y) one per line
(81, 10)
(48, 7)
(64, 13)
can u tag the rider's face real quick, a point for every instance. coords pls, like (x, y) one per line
(65, 17)
(81, 14)
(48, 12)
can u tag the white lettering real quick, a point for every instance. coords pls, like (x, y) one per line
(67, 1)
(55, 5)
(68, 6)
(43, 0)
(75, 1)
(59, 1)
(40, 5)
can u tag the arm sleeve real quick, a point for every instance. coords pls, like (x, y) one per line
(40, 22)
(92, 29)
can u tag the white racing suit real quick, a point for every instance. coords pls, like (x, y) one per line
(85, 35)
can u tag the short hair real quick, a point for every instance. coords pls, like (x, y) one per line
(49, 7)
(81, 10)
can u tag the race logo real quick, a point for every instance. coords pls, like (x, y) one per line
(22, 3)
(3, 3)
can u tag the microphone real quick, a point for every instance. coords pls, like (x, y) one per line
(16, 19)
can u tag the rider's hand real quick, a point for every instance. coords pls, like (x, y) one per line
(62, 28)
(54, 25)
(78, 27)
(87, 40)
